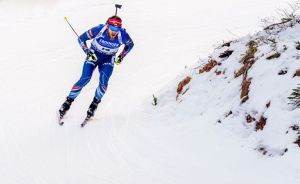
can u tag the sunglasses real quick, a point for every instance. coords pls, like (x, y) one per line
(114, 28)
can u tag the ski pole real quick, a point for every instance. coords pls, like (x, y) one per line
(66, 19)
(90, 56)
(117, 6)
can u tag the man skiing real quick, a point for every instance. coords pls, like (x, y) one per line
(106, 40)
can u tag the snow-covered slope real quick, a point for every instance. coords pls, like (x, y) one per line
(243, 87)
(129, 141)
(245, 84)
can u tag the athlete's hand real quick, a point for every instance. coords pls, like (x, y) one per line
(118, 60)
(92, 56)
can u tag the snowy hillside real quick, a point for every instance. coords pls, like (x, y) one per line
(129, 141)
(244, 86)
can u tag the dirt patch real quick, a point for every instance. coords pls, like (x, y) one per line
(244, 69)
(249, 118)
(210, 65)
(297, 73)
(252, 49)
(245, 90)
(183, 83)
(248, 60)
(261, 123)
(218, 72)
(240, 72)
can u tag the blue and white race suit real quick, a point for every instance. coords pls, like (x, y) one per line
(105, 50)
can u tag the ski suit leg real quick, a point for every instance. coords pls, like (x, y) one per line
(105, 71)
(87, 72)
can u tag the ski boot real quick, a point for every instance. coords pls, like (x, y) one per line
(92, 108)
(65, 107)
(91, 111)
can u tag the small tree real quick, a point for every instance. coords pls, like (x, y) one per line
(295, 97)
(284, 16)
(154, 103)
(289, 13)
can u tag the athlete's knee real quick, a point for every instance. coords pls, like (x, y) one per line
(103, 80)
(84, 80)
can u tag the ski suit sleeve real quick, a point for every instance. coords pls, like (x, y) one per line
(128, 44)
(88, 35)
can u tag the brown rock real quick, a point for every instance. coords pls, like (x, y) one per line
(182, 84)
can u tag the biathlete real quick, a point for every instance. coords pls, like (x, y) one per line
(106, 40)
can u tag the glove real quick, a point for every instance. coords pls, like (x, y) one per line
(92, 56)
(119, 60)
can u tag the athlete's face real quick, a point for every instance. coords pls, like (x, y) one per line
(112, 34)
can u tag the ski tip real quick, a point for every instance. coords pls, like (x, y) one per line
(65, 18)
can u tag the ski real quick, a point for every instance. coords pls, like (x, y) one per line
(85, 121)
(60, 119)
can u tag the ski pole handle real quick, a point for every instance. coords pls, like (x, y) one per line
(117, 6)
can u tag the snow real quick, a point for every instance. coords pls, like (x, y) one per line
(129, 140)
